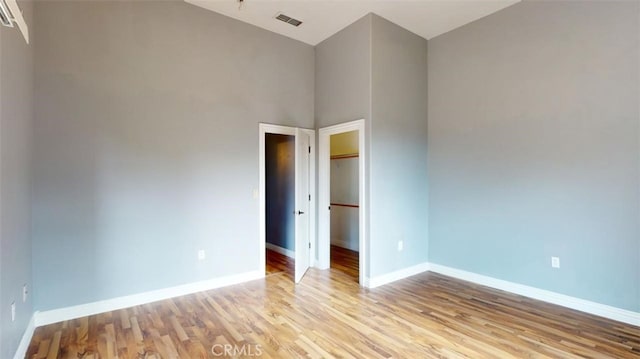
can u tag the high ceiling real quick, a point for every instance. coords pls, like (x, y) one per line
(323, 18)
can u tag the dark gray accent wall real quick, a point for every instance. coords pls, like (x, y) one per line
(280, 190)
(398, 173)
(16, 121)
(534, 148)
(146, 144)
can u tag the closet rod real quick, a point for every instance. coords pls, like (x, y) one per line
(339, 157)
(345, 205)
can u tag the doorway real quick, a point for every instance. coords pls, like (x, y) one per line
(286, 193)
(343, 202)
(280, 202)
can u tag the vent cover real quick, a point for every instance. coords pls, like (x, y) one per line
(5, 15)
(284, 18)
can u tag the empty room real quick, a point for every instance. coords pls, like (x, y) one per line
(319, 179)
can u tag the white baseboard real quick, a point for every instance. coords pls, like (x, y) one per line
(602, 310)
(57, 315)
(26, 339)
(344, 244)
(287, 252)
(397, 275)
(83, 310)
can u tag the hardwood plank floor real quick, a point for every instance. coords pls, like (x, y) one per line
(279, 264)
(346, 261)
(328, 315)
(342, 259)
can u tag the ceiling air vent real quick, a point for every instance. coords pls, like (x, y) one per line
(5, 15)
(287, 19)
(11, 16)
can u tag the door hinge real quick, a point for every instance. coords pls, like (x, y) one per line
(309, 149)
(309, 198)
(329, 208)
(309, 245)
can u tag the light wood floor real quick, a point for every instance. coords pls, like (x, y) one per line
(345, 261)
(328, 315)
(279, 264)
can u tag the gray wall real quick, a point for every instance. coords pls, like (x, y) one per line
(534, 148)
(146, 144)
(343, 81)
(376, 70)
(280, 190)
(343, 75)
(398, 170)
(16, 119)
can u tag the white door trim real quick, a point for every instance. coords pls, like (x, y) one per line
(312, 189)
(324, 198)
(263, 129)
(302, 204)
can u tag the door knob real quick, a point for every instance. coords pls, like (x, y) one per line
(300, 212)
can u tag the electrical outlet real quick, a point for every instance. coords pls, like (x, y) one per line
(555, 262)
(400, 246)
(24, 293)
(201, 255)
(13, 311)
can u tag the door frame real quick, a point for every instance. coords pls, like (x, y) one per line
(263, 130)
(324, 195)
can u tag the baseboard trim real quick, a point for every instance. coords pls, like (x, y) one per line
(286, 252)
(373, 282)
(21, 352)
(344, 244)
(57, 315)
(83, 310)
(601, 310)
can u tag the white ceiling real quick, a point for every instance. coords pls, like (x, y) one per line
(323, 18)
